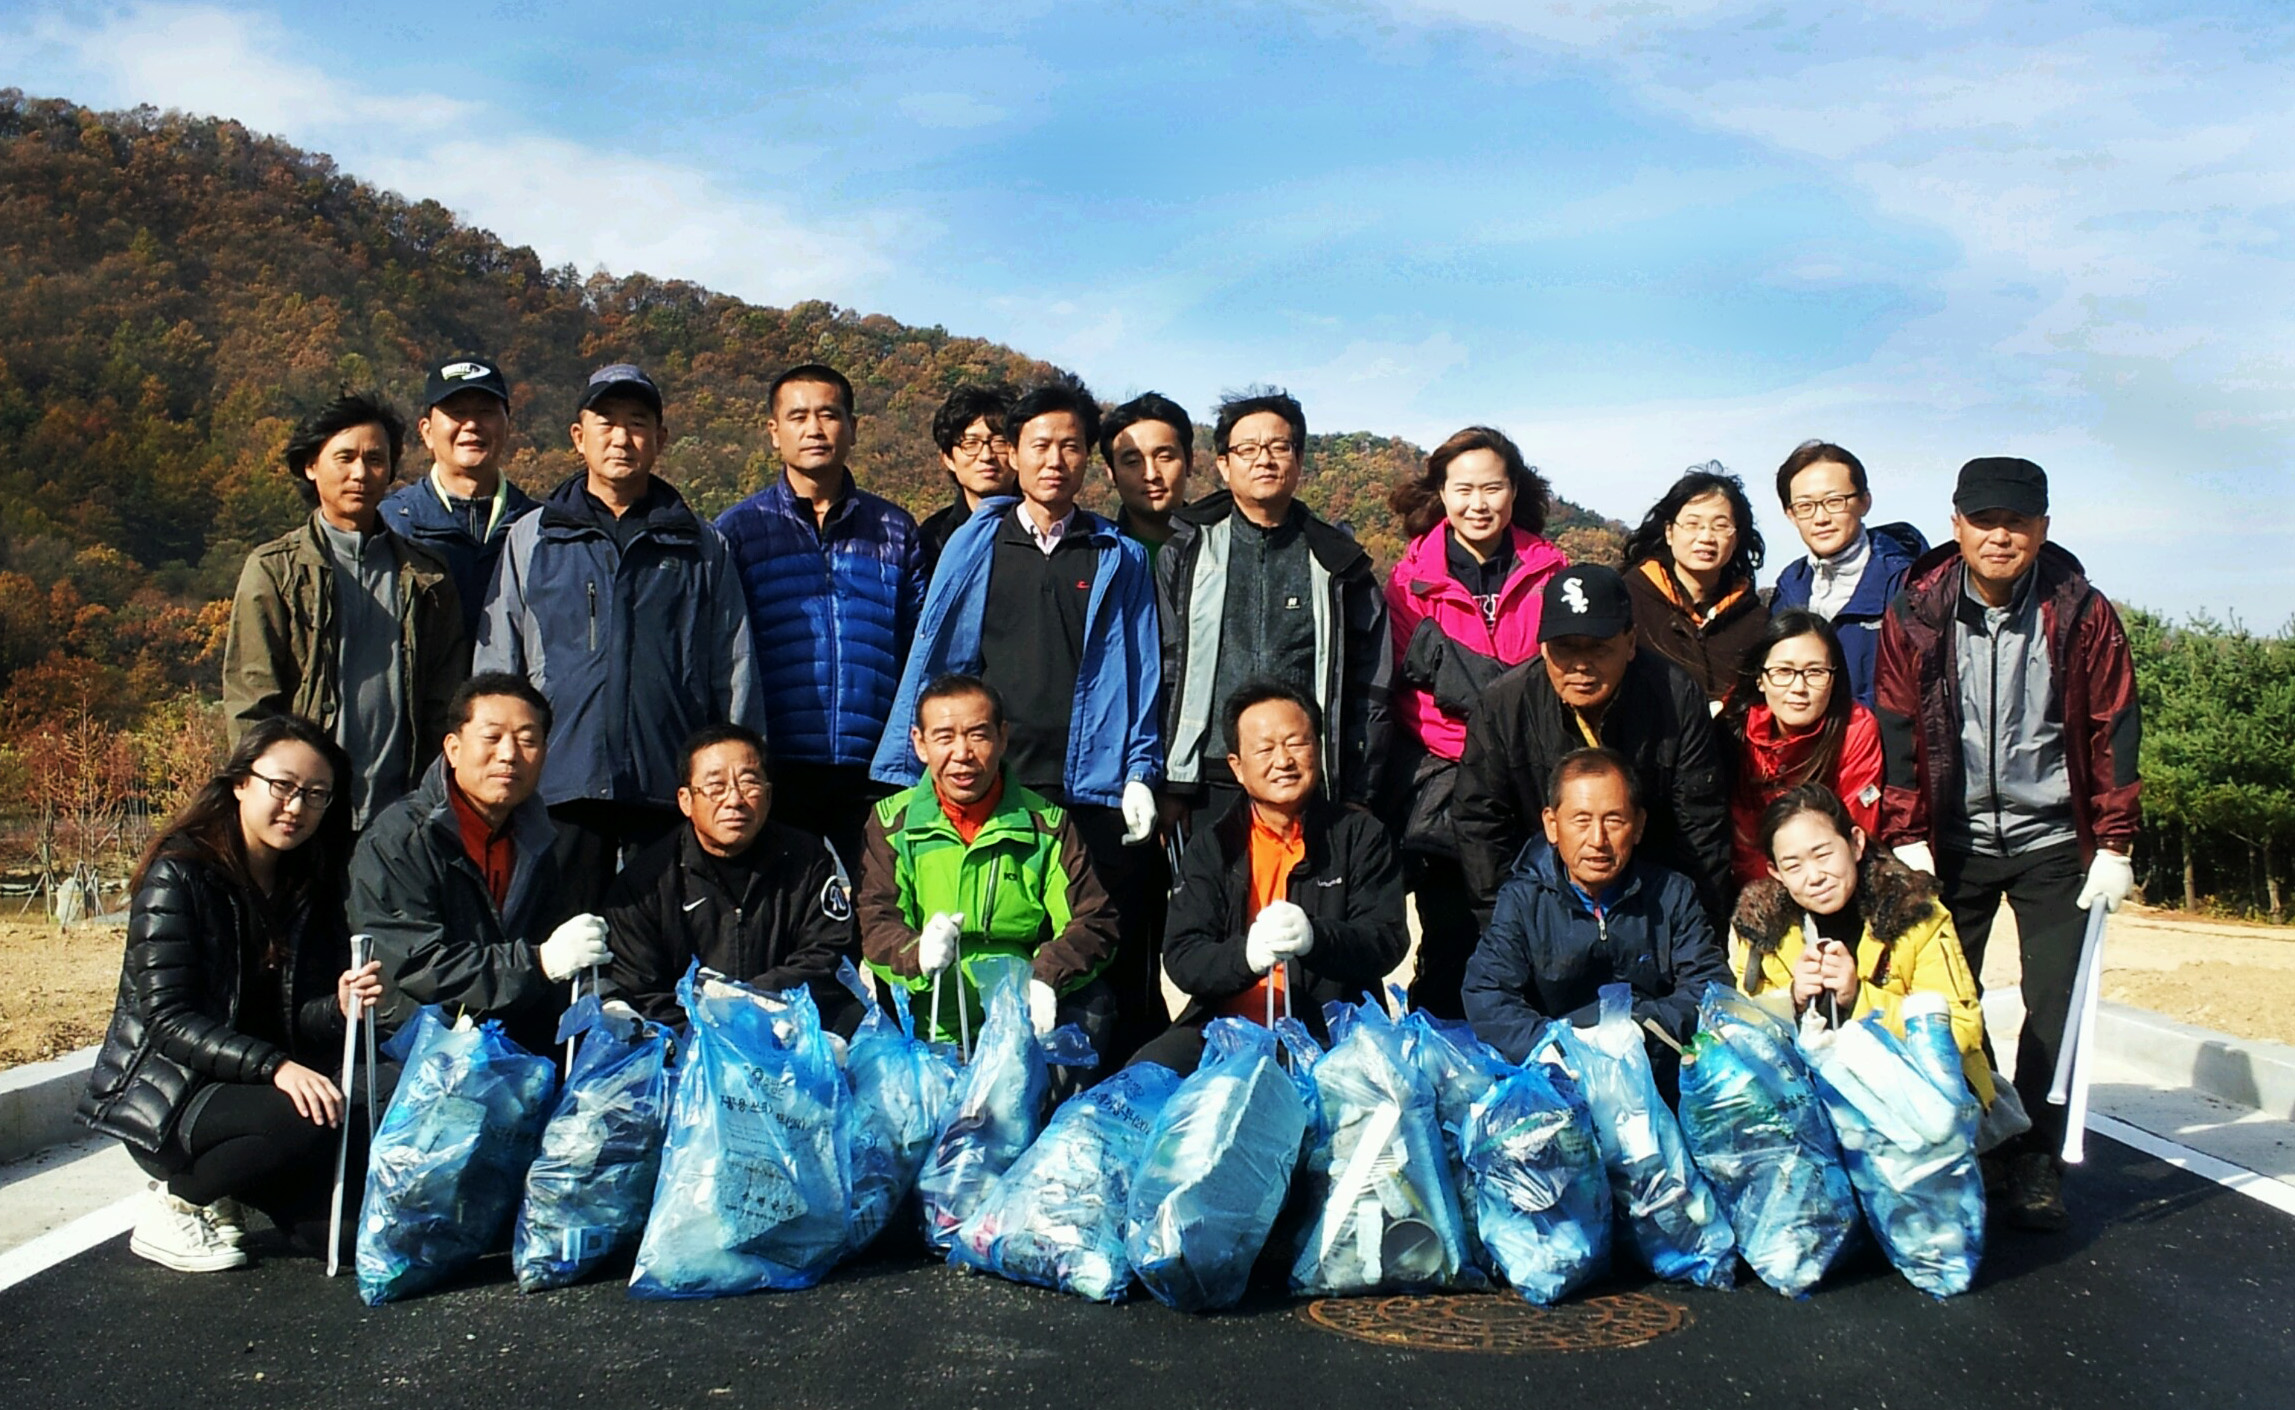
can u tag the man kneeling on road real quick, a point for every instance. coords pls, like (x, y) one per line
(969, 862)
(456, 879)
(1581, 911)
(747, 896)
(1289, 900)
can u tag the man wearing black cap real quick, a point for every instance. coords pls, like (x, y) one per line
(463, 509)
(2009, 727)
(1592, 685)
(623, 607)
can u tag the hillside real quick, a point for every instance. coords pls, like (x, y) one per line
(175, 291)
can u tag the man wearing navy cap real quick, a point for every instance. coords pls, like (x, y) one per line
(1593, 686)
(2009, 731)
(463, 509)
(622, 606)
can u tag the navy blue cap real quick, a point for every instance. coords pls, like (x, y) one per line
(625, 379)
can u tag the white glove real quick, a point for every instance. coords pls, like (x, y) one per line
(577, 945)
(1282, 932)
(1917, 856)
(1043, 1007)
(1139, 813)
(936, 943)
(620, 1008)
(2111, 876)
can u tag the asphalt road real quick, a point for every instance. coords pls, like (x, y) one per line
(2168, 1291)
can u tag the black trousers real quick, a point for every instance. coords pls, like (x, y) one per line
(1179, 1047)
(247, 1142)
(831, 801)
(1447, 933)
(594, 838)
(1130, 876)
(2042, 888)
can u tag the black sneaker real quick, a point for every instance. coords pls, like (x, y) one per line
(2036, 1193)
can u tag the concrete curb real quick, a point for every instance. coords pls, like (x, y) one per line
(2247, 1072)
(37, 1101)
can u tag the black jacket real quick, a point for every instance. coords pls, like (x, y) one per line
(436, 929)
(1659, 720)
(792, 925)
(175, 1029)
(1359, 654)
(1350, 886)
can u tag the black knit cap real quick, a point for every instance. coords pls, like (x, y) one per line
(2001, 482)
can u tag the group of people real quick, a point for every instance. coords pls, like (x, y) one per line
(532, 746)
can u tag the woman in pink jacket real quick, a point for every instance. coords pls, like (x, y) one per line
(1464, 605)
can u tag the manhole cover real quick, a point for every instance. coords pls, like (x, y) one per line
(1499, 1323)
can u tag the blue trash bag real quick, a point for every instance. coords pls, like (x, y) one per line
(754, 1186)
(1215, 1171)
(1535, 1176)
(588, 1192)
(1751, 1118)
(999, 1104)
(1677, 1225)
(1462, 1069)
(1056, 1219)
(1907, 1123)
(1379, 1185)
(902, 1086)
(450, 1157)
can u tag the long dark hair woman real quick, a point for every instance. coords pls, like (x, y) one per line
(233, 993)
(1464, 605)
(1689, 568)
(1793, 721)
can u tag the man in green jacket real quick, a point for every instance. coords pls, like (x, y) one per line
(969, 862)
(341, 623)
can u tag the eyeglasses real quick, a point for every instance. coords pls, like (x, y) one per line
(1721, 527)
(284, 790)
(1248, 451)
(1783, 676)
(1834, 506)
(717, 790)
(976, 446)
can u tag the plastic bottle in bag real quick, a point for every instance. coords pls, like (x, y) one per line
(1536, 1178)
(589, 1190)
(902, 1087)
(1462, 1069)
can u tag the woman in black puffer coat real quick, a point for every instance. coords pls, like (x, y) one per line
(233, 995)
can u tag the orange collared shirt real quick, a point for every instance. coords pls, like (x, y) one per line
(1273, 857)
(969, 818)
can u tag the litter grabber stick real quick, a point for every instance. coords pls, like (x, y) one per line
(575, 997)
(963, 1014)
(2073, 1059)
(361, 946)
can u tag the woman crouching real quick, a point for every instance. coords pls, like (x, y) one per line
(233, 992)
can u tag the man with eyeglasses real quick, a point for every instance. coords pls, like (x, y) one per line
(969, 430)
(458, 882)
(834, 577)
(737, 889)
(1253, 586)
(1852, 573)
(463, 509)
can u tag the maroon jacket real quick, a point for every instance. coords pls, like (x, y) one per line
(2093, 692)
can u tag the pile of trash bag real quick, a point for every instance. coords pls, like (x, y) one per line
(1215, 1171)
(1056, 1219)
(1907, 1123)
(1379, 1183)
(755, 1186)
(590, 1188)
(1462, 1069)
(449, 1160)
(1751, 1118)
(1535, 1177)
(1677, 1224)
(902, 1086)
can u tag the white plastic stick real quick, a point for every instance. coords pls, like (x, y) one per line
(362, 954)
(351, 1022)
(574, 998)
(963, 1013)
(2085, 980)
(2076, 1109)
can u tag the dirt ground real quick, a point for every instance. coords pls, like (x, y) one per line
(56, 985)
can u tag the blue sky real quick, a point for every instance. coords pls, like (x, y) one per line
(1636, 235)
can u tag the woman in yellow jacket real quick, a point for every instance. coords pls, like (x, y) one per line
(1881, 933)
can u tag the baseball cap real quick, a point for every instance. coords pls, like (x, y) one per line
(620, 379)
(1585, 599)
(2001, 482)
(462, 372)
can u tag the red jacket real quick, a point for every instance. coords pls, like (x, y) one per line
(1421, 589)
(1765, 758)
(2093, 693)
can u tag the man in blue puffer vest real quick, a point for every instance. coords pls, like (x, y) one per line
(834, 578)
(620, 605)
(1055, 608)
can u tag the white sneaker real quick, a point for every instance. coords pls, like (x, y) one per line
(228, 1218)
(174, 1234)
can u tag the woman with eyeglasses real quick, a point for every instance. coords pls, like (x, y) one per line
(1793, 722)
(233, 995)
(1689, 569)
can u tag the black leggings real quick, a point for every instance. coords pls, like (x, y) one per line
(248, 1142)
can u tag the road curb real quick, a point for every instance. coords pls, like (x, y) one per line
(37, 1101)
(2249, 1072)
